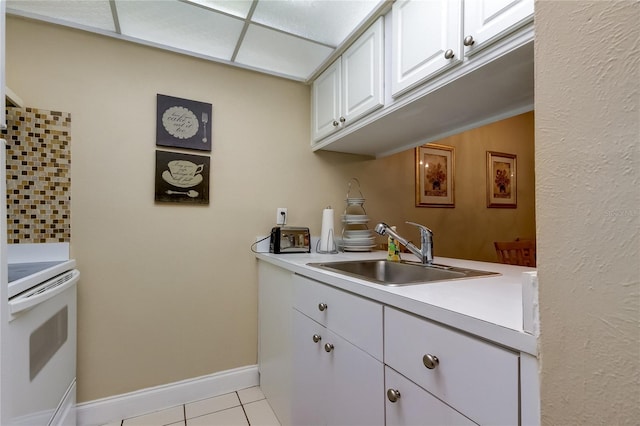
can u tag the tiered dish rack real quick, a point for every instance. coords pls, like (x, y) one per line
(356, 235)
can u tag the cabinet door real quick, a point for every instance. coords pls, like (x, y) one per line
(362, 74)
(310, 372)
(356, 385)
(339, 386)
(416, 406)
(423, 31)
(326, 97)
(488, 20)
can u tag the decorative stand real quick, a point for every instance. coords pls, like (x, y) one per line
(356, 235)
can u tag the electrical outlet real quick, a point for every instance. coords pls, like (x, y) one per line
(281, 216)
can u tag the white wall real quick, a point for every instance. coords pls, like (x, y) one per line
(588, 210)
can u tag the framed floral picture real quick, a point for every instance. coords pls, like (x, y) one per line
(502, 184)
(435, 176)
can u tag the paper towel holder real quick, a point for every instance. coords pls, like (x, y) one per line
(330, 238)
(331, 241)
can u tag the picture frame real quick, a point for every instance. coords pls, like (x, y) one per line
(183, 123)
(435, 176)
(182, 178)
(502, 182)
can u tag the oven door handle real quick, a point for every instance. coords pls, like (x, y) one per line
(42, 293)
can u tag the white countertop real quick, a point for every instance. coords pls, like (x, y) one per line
(489, 307)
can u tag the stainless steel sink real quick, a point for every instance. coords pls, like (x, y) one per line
(399, 273)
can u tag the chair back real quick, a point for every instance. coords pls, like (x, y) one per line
(522, 253)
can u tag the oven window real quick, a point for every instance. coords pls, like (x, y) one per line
(45, 341)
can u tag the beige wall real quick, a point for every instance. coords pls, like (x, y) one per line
(588, 210)
(169, 292)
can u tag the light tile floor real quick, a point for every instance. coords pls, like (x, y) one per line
(247, 407)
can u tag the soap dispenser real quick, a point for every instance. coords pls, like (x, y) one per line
(393, 250)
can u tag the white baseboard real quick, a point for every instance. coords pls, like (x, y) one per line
(114, 408)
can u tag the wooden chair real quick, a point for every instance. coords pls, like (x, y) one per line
(521, 252)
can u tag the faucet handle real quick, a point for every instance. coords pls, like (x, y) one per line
(422, 228)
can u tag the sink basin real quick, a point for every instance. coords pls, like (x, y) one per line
(399, 273)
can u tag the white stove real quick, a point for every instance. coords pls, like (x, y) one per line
(39, 337)
(23, 276)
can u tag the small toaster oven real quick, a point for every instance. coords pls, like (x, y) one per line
(290, 239)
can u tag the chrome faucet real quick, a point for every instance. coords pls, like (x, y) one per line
(425, 252)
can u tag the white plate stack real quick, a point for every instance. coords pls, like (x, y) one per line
(355, 234)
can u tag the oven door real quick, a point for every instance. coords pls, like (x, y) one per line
(42, 350)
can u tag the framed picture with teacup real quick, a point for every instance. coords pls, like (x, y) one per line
(183, 123)
(182, 178)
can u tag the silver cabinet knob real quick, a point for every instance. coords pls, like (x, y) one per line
(448, 54)
(430, 361)
(328, 347)
(316, 338)
(322, 306)
(342, 119)
(468, 41)
(335, 123)
(393, 395)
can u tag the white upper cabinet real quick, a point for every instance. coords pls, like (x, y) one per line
(427, 39)
(427, 75)
(362, 72)
(326, 98)
(486, 21)
(352, 86)
(3, 118)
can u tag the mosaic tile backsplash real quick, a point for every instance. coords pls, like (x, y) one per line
(38, 176)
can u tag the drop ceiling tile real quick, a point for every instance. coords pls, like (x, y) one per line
(239, 8)
(95, 13)
(328, 22)
(180, 25)
(285, 54)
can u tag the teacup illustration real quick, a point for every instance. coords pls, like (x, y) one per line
(183, 170)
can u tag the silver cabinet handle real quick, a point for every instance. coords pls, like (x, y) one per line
(448, 54)
(468, 41)
(342, 119)
(316, 338)
(335, 123)
(393, 395)
(322, 306)
(430, 361)
(328, 347)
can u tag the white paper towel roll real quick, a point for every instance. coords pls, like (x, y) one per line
(326, 234)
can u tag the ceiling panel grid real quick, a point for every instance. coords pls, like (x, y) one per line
(288, 38)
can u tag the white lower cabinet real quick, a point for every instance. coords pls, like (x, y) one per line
(476, 378)
(334, 383)
(338, 376)
(332, 357)
(409, 404)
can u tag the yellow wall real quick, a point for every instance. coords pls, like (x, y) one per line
(169, 292)
(469, 230)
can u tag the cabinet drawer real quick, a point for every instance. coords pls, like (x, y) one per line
(416, 406)
(356, 319)
(475, 377)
